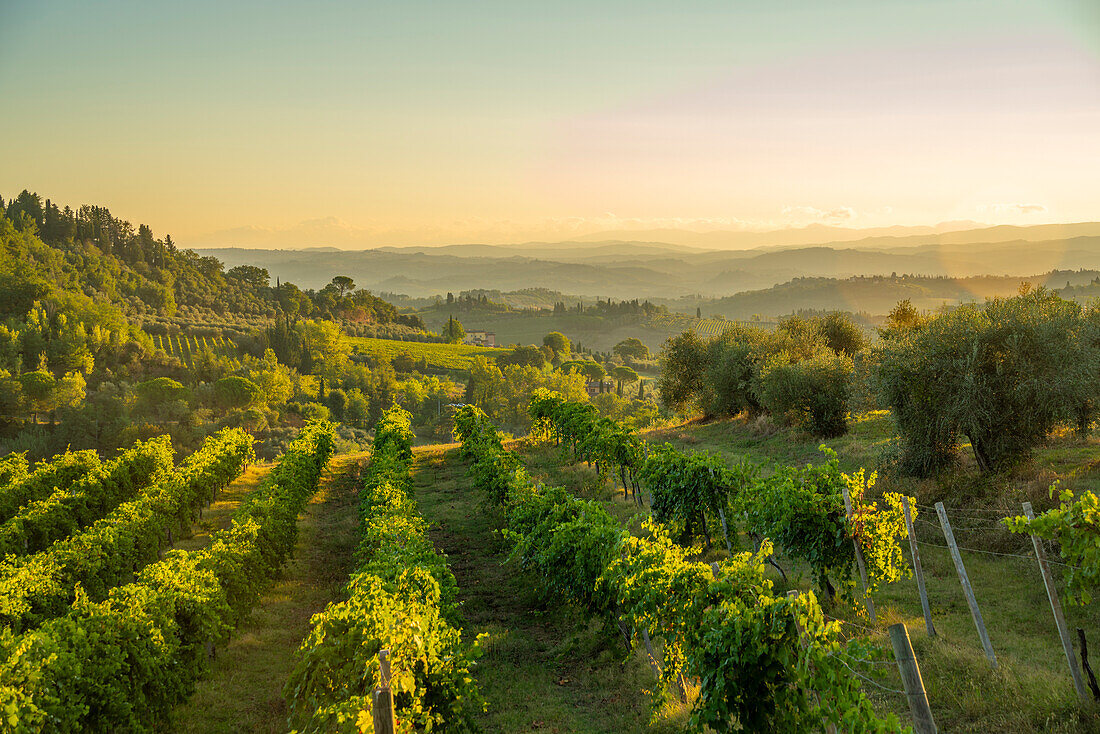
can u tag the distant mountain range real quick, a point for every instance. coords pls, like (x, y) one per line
(656, 269)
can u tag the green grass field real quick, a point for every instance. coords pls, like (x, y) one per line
(451, 357)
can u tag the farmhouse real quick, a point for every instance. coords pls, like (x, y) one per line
(481, 338)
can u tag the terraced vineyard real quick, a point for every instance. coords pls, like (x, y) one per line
(187, 346)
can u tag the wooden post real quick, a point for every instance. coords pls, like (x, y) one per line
(382, 701)
(1056, 608)
(793, 595)
(917, 570)
(624, 632)
(923, 723)
(725, 531)
(859, 558)
(652, 656)
(965, 581)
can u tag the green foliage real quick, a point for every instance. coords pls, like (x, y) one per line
(841, 334)
(455, 357)
(632, 350)
(56, 474)
(683, 365)
(13, 468)
(812, 394)
(160, 390)
(102, 488)
(802, 510)
(558, 342)
(1075, 526)
(690, 489)
(504, 394)
(107, 553)
(802, 373)
(623, 374)
(529, 356)
(615, 450)
(1003, 374)
(730, 367)
(235, 392)
(453, 332)
(401, 598)
(125, 662)
(739, 640)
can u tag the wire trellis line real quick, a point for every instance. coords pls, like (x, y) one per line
(963, 528)
(850, 624)
(996, 553)
(954, 511)
(873, 682)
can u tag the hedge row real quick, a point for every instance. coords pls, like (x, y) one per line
(122, 664)
(42, 523)
(40, 586)
(401, 598)
(46, 478)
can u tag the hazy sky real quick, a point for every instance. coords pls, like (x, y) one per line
(422, 122)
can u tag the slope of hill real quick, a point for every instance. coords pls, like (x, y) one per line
(648, 270)
(877, 295)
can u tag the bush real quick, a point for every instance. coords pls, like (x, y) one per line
(237, 392)
(730, 372)
(683, 367)
(812, 394)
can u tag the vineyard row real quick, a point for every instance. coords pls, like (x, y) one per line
(110, 552)
(721, 625)
(123, 663)
(402, 599)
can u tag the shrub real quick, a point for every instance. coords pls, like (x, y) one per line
(812, 394)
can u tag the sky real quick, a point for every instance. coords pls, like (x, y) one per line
(386, 123)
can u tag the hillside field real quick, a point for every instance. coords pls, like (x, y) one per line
(186, 346)
(456, 357)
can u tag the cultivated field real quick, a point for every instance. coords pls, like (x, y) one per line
(457, 357)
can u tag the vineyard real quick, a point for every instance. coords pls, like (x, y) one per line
(437, 357)
(702, 592)
(116, 629)
(759, 660)
(675, 323)
(186, 347)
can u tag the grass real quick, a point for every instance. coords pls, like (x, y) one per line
(243, 690)
(1032, 690)
(218, 515)
(547, 667)
(454, 357)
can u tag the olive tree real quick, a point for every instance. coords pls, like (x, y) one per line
(1001, 374)
(812, 393)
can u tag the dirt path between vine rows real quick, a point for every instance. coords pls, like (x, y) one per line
(243, 692)
(547, 668)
